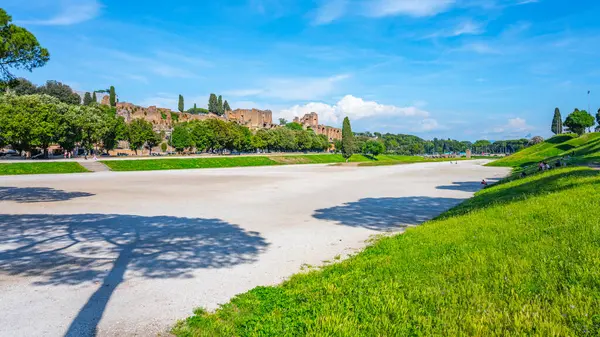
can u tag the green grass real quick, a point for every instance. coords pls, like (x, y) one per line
(231, 161)
(586, 148)
(40, 168)
(520, 258)
(187, 163)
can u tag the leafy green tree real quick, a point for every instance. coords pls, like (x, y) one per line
(89, 121)
(578, 121)
(260, 140)
(112, 96)
(220, 104)
(94, 98)
(347, 140)
(213, 104)
(303, 140)
(87, 99)
(21, 86)
(181, 138)
(373, 147)
(139, 132)
(282, 121)
(61, 91)
(482, 145)
(163, 147)
(226, 106)
(294, 126)
(180, 105)
(19, 49)
(557, 128)
(113, 129)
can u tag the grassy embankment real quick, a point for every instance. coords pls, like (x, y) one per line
(586, 149)
(40, 168)
(241, 161)
(520, 258)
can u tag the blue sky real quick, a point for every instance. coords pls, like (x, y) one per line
(466, 69)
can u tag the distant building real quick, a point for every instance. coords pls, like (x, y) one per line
(311, 121)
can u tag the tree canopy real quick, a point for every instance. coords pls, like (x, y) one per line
(578, 121)
(373, 147)
(226, 106)
(112, 96)
(87, 99)
(19, 49)
(557, 127)
(180, 105)
(347, 139)
(213, 104)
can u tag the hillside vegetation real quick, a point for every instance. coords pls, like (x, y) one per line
(520, 258)
(585, 148)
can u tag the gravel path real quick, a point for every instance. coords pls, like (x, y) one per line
(127, 254)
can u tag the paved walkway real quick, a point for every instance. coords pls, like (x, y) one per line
(129, 253)
(94, 166)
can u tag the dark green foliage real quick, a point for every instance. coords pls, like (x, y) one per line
(174, 117)
(87, 99)
(557, 122)
(19, 49)
(61, 91)
(180, 104)
(220, 105)
(578, 121)
(163, 147)
(21, 86)
(598, 121)
(213, 104)
(373, 147)
(294, 126)
(181, 138)
(226, 106)
(94, 98)
(112, 96)
(195, 110)
(140, 133)
(282, 121)
(347, 140)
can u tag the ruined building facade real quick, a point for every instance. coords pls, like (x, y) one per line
(311, 120)
(161, 118)
(252, 118)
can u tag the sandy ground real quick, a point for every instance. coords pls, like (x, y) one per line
(128, 254)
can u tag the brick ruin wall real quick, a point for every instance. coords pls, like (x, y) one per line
(311, 120)
(162, 119)
(252, 118)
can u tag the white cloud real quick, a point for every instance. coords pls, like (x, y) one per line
(293, 89)
(467, 27)
(428, 124)
(355, 108)
(71, 13)
(417, 8)
(329, 11)
(479, 48)
(514, 127)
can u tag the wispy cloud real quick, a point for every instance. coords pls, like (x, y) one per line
(72, 12)
(301, 88)
(416, 8)
(466, 27)
(157, 65)
(329, 10)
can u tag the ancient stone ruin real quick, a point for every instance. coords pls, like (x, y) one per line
(252, 118)
(311, 120)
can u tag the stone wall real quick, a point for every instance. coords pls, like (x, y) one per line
(311, 120)
(252, 118)
(163, 119)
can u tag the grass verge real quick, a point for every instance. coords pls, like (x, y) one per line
(219, 162)
(520, 258)
(40, 168)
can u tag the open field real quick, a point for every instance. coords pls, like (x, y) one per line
(521, 258)
(130, 253)
(40, 168)
(586, 149)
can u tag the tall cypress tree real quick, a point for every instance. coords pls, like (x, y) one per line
(220, 104)
(557, 127)
(195, 108)
(87, 99)
(226, 106)
(213, 104)
(180, 105)
(94, 98)
(113, 96)
(347, 140)
(598, 121)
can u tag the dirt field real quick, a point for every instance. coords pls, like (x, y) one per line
(122, 254)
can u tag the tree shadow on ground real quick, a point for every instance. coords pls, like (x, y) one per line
(74, 249)
(466, 186)
(386, 214)
(38, 194)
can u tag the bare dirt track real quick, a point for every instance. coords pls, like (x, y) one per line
(124, 254)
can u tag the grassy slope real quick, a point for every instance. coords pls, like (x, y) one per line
(40, 168)
(520, 258)
(586, 148)
(217, 162)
